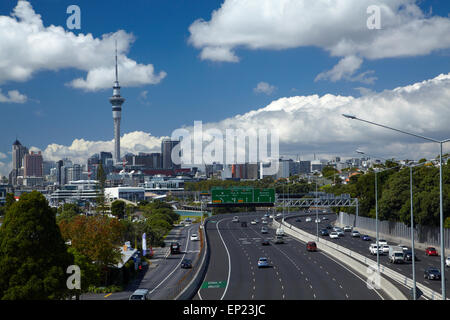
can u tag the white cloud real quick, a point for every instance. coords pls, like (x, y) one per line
(5, 168)
(339, 27)
(2, 155)
(80, 150)
(264, 87)
(13, 96)
(29, 47)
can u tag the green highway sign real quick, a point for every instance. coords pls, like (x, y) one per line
(242, 195)
(214, 284)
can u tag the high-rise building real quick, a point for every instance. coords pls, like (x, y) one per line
(47, 166)
(167, 146)
(18, 152)
(116, 101)
(32, 164)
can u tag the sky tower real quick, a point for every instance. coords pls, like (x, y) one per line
(116, 101)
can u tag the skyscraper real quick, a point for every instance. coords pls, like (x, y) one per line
(116, 101)
(18, 152)
(32, 164)
(167, 146)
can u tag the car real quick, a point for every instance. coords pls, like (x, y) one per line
(366, 237)
(253, 222)
(373, 248)
(264, 230)
(355, 234)
(271, 216)
(432, 273)
(194, 237)
(340, 232)
(266, 215)
(308, 219)
(244, 224)
(174, 247)
(279, 215)
(279, 240)
(311, 246)
(317, 221)
(347, 229)
(385, 248)
(334, 235)
(408, 255)
(336, 228)
(140, 294)
(382, 242)
(186, 264)
(324, 218)
(324, 232)
(235, 219)
(265, 242)
(430, 251)
(263, 263)
(329, 227)
(298, 220)
(447, 261)
(264, 222)
(403, 247)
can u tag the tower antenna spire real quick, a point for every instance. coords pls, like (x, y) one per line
(117, 72)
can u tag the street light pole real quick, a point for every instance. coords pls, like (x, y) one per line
(441, 206)
(413, 256)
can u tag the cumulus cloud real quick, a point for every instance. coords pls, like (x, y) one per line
(13, 96)
(314, 124)
(339, 27)
(80, 150)
(264, 87)
(2, 155)
(29, 47)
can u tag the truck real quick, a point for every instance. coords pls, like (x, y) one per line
(396, 254)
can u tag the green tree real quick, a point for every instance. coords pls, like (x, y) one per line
(33, 255)
(118, 208)
(67, 212)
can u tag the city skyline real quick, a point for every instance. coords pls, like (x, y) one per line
(304, 103)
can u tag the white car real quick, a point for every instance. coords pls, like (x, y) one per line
(317, 221)
(355, 234)
(334, 235)
(308, 219)
(347, 229)
(278, 215)
(235, 219)
(194, 237)
(264, 221)
(253, 222)
(340, 233)
(405, 248)
(385, 248)
(447, 261)
(373, 249)
(271, 216)
(381, 242)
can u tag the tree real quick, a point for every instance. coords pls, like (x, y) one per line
(33, 255)
(67, 212)
(118, 208)
(98, 238)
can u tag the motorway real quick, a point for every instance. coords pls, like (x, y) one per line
(164, 274)
(362, 247)
(295, 274)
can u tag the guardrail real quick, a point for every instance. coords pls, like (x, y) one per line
(200, 269)
(402, 279)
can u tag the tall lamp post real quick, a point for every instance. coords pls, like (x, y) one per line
(441, 209)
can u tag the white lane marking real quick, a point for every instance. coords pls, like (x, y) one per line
(187, 242)
(229, 259)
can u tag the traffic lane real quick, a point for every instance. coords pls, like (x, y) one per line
(320, 276)
(218, 267)
(247, 281)
(173, 278)
(362, 247)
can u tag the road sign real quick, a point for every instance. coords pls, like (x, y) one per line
(242, 195)
(214, 284)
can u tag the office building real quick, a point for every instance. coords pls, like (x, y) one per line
(167, 146)
(32, 164)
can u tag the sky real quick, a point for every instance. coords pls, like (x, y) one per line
(290, 65)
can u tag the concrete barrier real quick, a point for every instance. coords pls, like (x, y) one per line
(194, 285)
(364, 270)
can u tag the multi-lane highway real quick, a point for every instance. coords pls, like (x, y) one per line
(164, 277)
(362, 247)
(294, 273)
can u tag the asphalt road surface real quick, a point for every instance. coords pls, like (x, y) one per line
(362, 247)
(294, 273)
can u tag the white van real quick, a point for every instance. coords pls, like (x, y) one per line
(140, 294)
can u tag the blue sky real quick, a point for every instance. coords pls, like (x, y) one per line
(193, 89)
